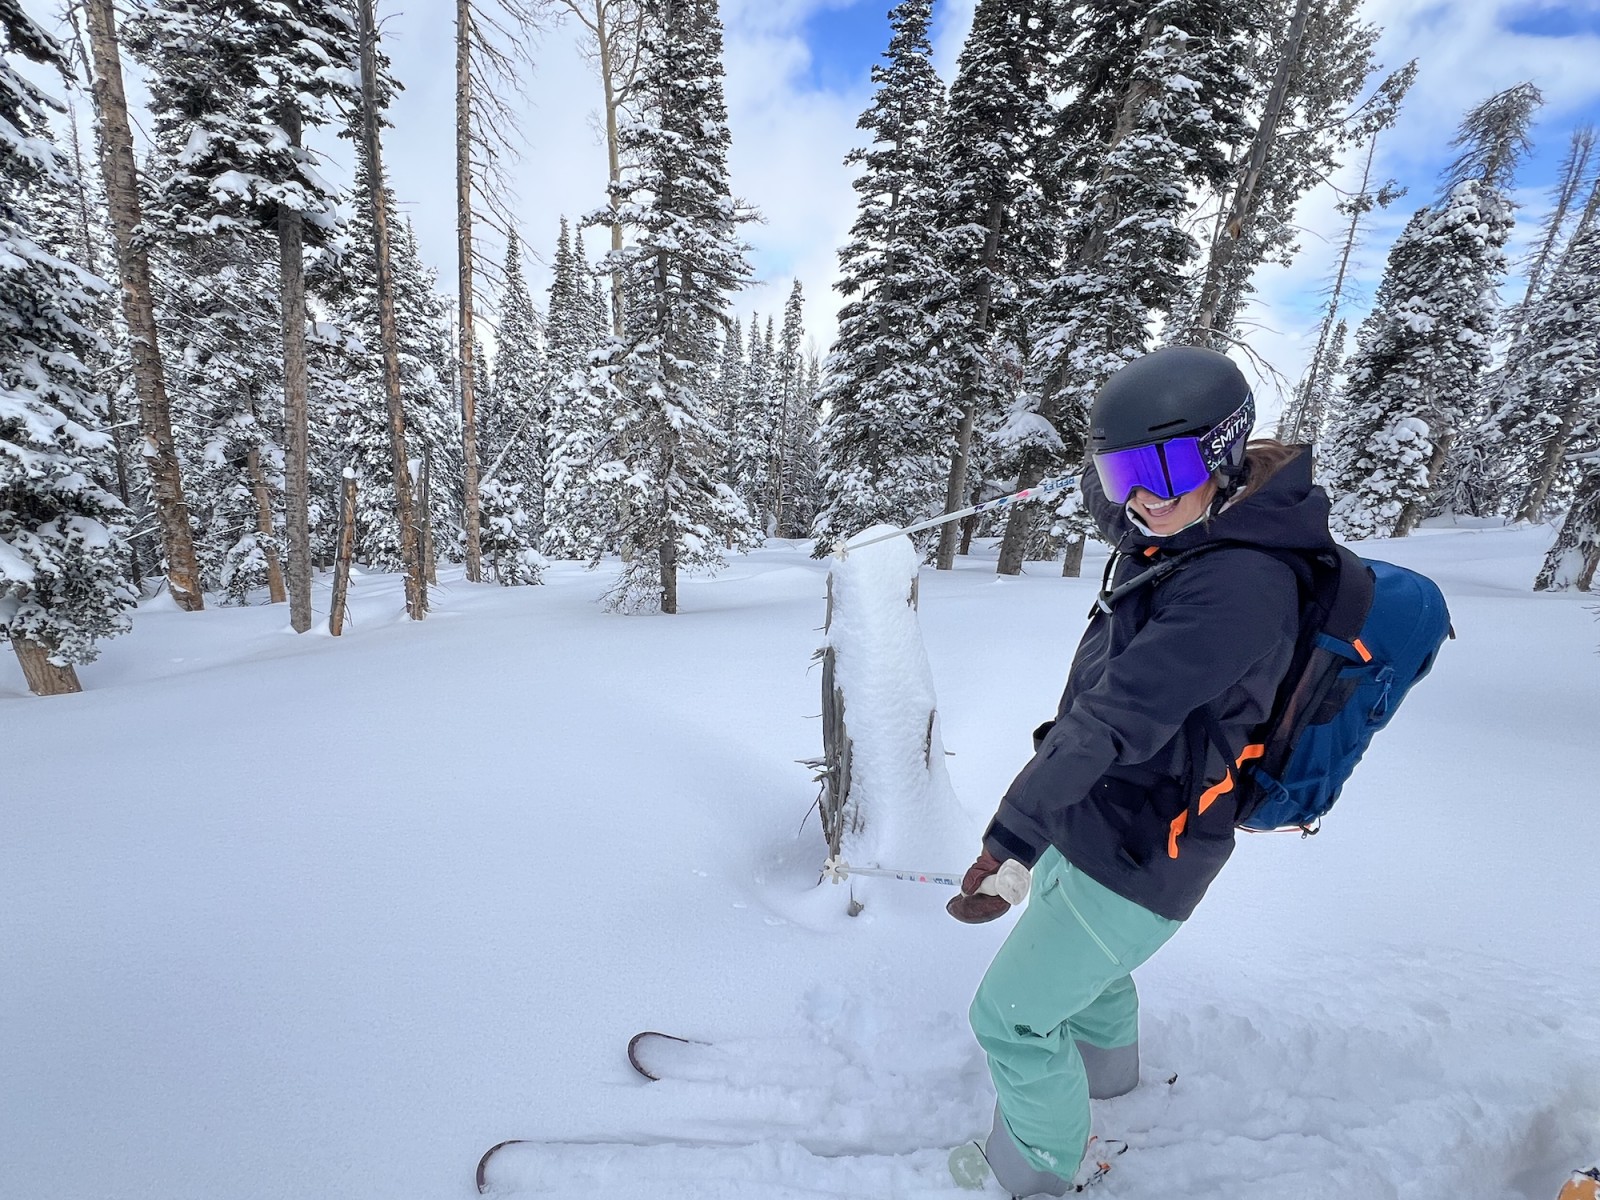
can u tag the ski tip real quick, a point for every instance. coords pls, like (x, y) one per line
(637, 1039)
(483, 1163)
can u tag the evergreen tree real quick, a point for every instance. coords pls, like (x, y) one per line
(1495, 468)
(512, 489)
(999, 211)
(62, 589)
(575, 427)
(360, 414)
(1561, 382)
(1152, 108)
(687, 260)
(885, 437)
(259, 71)
(733, 377)
(218, 321)
(754, 428)
(1414, 379)
(794, 430)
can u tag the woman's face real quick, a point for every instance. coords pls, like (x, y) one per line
(1166, 517)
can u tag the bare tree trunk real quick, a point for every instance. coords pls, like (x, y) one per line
(669, 540)
(347, 551)
(263, 498)
(469, 402)
(43, 676)
(1242, 207)
(410, 549)
(296, 402)
(430, 563)
(133, 268)
(956, 486)
(1295, 430)
(969, 525)
(1573, 172)
(613, 101)
(1072, 559)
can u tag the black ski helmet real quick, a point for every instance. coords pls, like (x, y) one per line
(1177, 391)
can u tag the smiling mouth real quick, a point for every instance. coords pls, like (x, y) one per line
(1160, 508)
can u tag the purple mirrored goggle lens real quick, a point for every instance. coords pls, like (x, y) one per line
(1166, 469)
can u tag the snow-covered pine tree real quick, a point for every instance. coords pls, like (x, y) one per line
(124, 205)
(62, 587)
(513, 423)
(360, 414)
(219, 312)
(684, 265)
(998, 216)
(754, 431)
(733, 377)
(219, 322)
(70, 220)
(1414, 378)
(270, 68)
(1573, 559)
(1561, 379)
(576, 415)
(885, 440)
(1494, 464)
(789, 478)
(1151, 110)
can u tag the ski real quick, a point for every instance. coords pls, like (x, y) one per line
(645, 1167)
(640, 1045)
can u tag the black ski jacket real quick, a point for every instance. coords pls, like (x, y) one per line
(1116, 768)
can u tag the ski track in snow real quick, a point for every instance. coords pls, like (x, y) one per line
(290, 917)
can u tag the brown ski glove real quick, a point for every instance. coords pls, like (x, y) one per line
(988, 890)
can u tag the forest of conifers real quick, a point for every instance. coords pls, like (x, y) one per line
(224, 370)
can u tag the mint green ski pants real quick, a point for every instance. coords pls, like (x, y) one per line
(1061, 976)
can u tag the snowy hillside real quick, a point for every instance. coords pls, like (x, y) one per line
(301, 918)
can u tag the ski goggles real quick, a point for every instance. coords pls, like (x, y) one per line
(1178, 465)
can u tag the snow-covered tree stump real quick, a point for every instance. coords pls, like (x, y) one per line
(886, 794)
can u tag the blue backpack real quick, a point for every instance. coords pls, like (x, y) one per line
(1369, 630)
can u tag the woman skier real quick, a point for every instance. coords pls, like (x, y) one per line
(1124, 815)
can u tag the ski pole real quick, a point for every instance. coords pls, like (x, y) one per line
(1038, 491)
(838, 871)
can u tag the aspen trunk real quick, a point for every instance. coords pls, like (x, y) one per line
(43, 676)
(602, 37)
(296, 402)
(258, 485)
(410, 548)
(347, 551)
(1242, 207)
(133, 269)
(956, 486)
(469, 401)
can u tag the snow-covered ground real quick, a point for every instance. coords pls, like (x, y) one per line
(311, 918)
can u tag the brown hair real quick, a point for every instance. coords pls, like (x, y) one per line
(1264, 458)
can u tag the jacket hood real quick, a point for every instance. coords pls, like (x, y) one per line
(1289, 512)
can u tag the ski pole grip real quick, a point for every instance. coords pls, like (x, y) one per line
(1010, 882)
